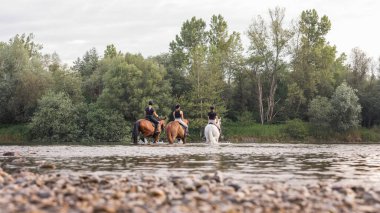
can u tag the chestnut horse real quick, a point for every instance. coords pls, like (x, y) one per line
(147, 129)
(174, 130)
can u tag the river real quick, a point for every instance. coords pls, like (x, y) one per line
(248, 162)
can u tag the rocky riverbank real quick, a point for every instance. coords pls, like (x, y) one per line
(58, 192)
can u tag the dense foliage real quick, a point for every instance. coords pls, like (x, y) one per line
(290, 73)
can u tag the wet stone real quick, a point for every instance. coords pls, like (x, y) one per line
(43, 194)
(9, 154)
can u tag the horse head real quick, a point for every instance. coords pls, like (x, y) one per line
(186, 121)
(162, 123)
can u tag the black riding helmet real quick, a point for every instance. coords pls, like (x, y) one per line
(212, 107)
(150, 102)
(177, 106)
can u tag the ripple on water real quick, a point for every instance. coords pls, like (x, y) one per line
(249, 162)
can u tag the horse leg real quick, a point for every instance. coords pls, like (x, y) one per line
(156, 137)
(169, 136)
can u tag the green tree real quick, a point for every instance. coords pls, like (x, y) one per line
(316, 69)
(320, 112)
(56, 119)
(206, 59)
(105, 125)
(110, 51)
(268, 43)
(23, 79)
(88, 64)
(130, 82)
(359, 68)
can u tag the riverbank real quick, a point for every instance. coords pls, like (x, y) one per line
(62, 192)
(298, 132)
(236, 132)
(16, 133)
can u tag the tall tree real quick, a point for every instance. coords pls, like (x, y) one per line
(23, 78)
(359, 68)
(315, 68)
(206, 60)
(269, 41)
(130, 82)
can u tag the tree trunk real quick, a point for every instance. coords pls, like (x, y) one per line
(271, 103)
(260, 97)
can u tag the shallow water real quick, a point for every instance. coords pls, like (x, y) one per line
(293, 163)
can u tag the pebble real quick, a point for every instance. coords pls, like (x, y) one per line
(10, 154)
(60, 192)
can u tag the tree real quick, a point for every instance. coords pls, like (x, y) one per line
(359, 68)
(268, 47)
(110, 51)
(315, 68)
(370, 101)
(345, 108)
(206, 59)
(320, 112)
(105, 125)
(23, 79)
(88, 64)
(130, 82)
(56, 119)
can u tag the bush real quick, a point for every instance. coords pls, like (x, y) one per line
(319, 112)
(246, 117)
(56, 119)
(345, 108)
(105, 125)
(296, 129)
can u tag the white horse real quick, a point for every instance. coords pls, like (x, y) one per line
(212, 132)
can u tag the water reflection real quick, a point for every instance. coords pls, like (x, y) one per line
(294, 163)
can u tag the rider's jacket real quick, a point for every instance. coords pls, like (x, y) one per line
(149, 112)
(177, 114)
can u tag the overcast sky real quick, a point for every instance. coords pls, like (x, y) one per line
(70, 27)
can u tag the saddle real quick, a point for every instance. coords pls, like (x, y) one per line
(183, 127)
(215, 126)
(149, 121)
(158, 126)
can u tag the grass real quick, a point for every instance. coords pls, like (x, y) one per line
(253, 131)
(15, 133)
(248, 132)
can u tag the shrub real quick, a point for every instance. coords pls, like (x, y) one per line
(105, 125)
(246, 117)
(296, 129)
(56, 119)
(345, 108)
(319, 112)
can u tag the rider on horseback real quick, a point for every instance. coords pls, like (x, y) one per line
(151, 115)
(178, 116)
(212, 117)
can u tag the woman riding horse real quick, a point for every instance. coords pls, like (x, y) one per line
(150, 126)
(212, 129)
(174, 129)
(178, 116)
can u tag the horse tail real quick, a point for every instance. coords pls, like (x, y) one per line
(135, 132)
(209, 135)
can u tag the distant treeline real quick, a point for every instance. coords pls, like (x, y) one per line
(289, 71)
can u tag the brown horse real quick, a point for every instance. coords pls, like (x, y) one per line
(174, 130)
(147, 129)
